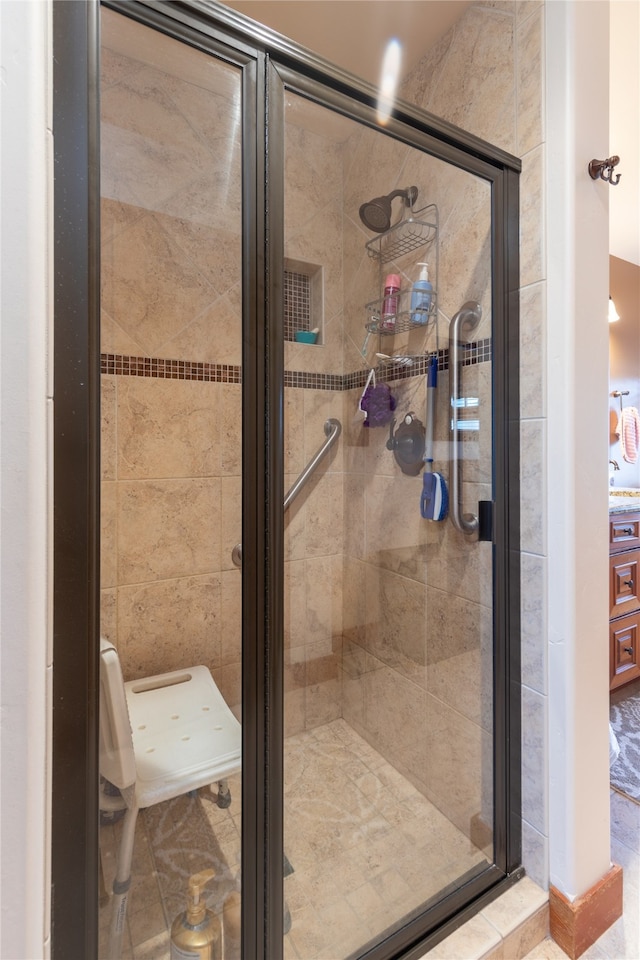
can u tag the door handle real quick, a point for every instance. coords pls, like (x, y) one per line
(467, 318)
(628, 650)
(628, 583)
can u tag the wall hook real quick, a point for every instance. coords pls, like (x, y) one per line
(621, 394)
(599, 168)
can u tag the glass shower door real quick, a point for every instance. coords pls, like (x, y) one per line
(389, 779)
(171, 487)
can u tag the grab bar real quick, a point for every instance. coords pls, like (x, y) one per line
(467, 318)
(332, 430)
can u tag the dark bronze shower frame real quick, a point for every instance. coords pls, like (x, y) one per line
(267, 62)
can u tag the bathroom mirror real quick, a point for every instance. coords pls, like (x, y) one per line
(624, 365)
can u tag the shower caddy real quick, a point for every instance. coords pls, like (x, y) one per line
(419, 232)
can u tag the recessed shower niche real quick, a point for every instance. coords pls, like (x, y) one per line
(303, 299)
(365, 649)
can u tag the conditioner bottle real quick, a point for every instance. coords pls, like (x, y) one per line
(421, 295)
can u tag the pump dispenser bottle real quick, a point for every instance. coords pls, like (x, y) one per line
(196, 934)
(421, 294)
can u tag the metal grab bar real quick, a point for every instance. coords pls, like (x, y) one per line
(467, 318)
(332, 430)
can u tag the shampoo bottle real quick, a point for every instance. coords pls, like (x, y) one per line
(421, 294)
(196, 934)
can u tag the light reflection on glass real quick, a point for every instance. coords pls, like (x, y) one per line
(389, 76)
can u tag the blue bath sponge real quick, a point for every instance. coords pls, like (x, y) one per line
(434, 502)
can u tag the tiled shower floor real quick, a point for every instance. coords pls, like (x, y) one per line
(365, 845)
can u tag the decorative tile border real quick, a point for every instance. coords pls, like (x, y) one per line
(169, 369)
(478, 351)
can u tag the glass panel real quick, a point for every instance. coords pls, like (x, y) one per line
(171, 487)
(388, 614)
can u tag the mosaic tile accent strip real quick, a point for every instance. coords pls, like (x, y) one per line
(297, 303)
(476, 352)
(169, 369)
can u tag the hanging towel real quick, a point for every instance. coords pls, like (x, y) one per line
(629, 432)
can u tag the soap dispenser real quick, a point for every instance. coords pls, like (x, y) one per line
(196, 933)
(421, 294)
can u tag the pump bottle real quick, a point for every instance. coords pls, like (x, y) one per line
(196, 934)
(421, 294)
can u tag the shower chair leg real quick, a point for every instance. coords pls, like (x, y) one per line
(224, 794)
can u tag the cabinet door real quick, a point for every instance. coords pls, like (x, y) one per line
(623, 583)
(623, 646)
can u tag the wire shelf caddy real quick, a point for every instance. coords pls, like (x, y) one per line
(406, 236)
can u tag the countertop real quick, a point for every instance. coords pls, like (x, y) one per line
(624, 501)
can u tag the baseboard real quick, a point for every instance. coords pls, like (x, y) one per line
(576, 925)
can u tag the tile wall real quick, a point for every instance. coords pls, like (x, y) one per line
(363, 572)
(171, 348)
(314, 537)
(486, 75)
(417, 595)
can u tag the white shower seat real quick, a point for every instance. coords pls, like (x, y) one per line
(160, 737)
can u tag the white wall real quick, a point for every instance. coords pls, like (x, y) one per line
(577, 444)
(25, 50)
(624, 104)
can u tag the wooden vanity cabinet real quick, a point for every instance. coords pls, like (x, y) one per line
(624, 599)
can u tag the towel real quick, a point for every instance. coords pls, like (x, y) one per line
(628, 430)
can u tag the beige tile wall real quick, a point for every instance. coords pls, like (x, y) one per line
(487, 75)
(417, 617)
(494, 56)
(314, 523)
(170, 289)
(364, 573)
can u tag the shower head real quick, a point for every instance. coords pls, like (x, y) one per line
(376, 214)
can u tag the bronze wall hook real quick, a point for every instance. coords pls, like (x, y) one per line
(599, 168)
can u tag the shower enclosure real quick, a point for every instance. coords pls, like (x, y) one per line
(257, 518)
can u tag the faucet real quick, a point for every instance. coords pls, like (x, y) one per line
(614, 464)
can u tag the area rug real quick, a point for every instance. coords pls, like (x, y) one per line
(625, 772)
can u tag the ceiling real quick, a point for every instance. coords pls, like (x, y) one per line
(353, 33)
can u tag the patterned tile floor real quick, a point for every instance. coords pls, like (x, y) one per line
(365, 845)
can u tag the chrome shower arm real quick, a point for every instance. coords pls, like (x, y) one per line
(332, 430)
(467, 318)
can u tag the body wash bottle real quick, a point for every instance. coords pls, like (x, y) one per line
(421, 293)
(391, 301)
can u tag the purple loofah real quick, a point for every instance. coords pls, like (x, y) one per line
(378, 403)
